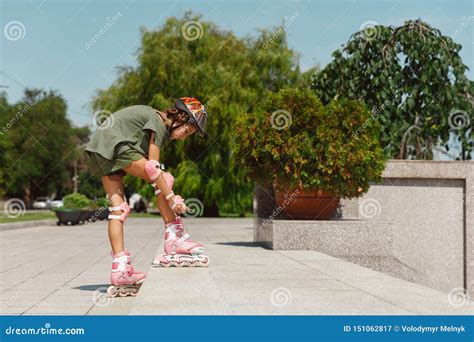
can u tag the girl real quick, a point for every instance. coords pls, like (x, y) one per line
(129, 143)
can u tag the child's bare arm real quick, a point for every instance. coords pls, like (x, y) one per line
(154, 154)
(153, 149)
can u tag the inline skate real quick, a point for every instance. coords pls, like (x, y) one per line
(124, 279)
(179, 249)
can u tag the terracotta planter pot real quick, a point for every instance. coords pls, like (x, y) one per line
(306, 205)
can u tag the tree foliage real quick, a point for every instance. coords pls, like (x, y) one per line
(414, 79)
(229, 75)
(37, 145)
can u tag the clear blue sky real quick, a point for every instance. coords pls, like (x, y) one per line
(51, 54)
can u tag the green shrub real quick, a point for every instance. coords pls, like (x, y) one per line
(76, 201)
(92, 205)
(293, 139)
(102, 202)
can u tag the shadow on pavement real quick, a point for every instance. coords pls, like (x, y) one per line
(240, 243)
(101, 287)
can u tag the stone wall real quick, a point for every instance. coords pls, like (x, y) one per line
(418, 224)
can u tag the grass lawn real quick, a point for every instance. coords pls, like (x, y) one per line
(49, 215)
(247, 215)
(28, 217)
(142, 215)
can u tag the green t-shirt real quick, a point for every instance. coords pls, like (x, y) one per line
(132, 125)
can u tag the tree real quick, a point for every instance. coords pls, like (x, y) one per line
(5, 144)
(414, 79)
(36, 145)
(228, 74)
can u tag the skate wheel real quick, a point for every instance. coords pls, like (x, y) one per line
(133, 292)
(165, 264)
(112, 291)
(205, 263)
(123, 293)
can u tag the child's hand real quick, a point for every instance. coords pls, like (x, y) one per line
(177, 204)
(181, 209)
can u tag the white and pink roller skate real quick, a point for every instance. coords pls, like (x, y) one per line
(180, 251)
(125, 280)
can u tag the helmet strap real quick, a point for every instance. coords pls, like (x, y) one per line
(170, 129)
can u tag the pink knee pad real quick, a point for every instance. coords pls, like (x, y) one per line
(152, 169)
(124, 207)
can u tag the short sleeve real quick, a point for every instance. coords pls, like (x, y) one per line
(156, 125)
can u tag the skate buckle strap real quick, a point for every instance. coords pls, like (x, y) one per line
(183, 238)
(120, 261)
(119, 266)
(123, 258)
(130, 270)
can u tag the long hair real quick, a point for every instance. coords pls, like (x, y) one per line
(175, 115)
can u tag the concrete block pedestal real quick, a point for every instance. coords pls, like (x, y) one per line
(418, 225)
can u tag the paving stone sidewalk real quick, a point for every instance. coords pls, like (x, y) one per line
(64, 270)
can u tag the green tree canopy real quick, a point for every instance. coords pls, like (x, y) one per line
(36, 145)
(414, 79)
(229, 75)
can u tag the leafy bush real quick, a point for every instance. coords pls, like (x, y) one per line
(294, 140)
(76, 201)
(102, 202)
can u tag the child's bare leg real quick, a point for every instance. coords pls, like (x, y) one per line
(191, 252)
(165, 210)
(113, 186)
(137, 169)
